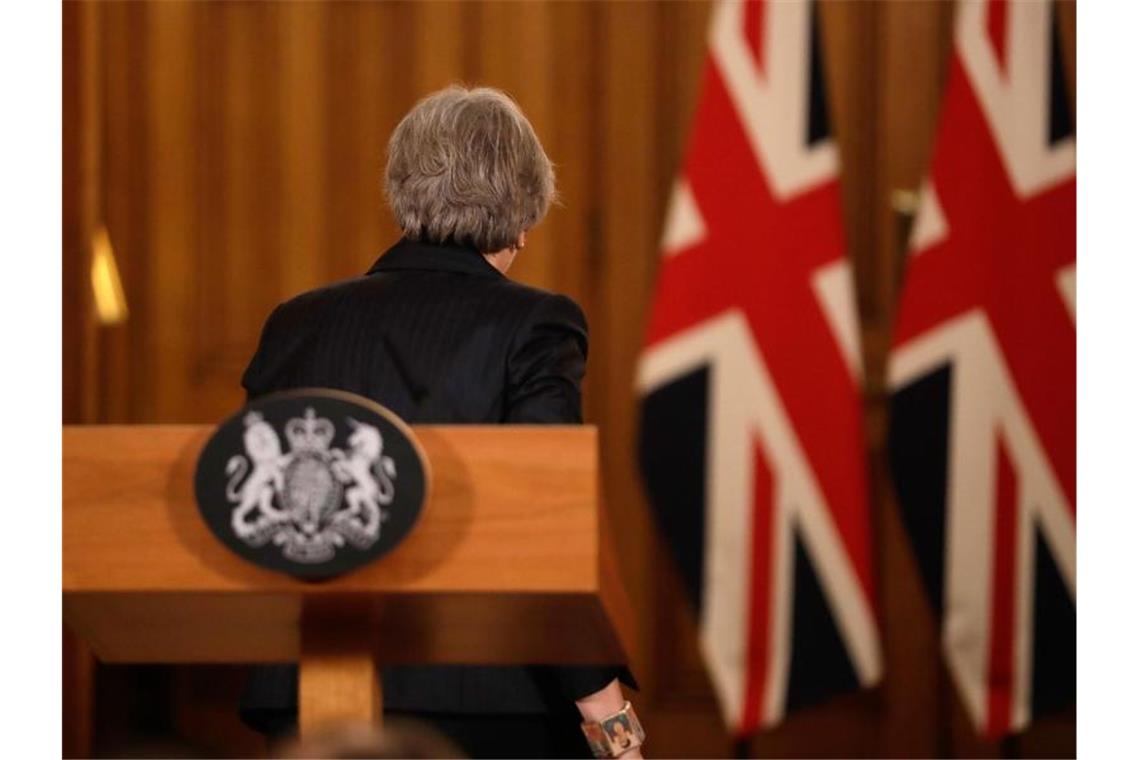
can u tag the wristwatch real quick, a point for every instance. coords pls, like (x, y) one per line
(615, 734)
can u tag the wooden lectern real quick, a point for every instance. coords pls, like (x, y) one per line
(509, 564)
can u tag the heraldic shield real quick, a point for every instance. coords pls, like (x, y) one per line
(312, 483)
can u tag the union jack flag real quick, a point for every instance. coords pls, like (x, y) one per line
(983, 370)
(751, 436)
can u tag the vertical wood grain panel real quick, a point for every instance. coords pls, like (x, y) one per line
(222, 109)
(372, 77)
(913, 61)
(82, 208)
(438, 32)
(124, 373)
(239, 124)
(570, 144)
(680, 60)
(82, 104)
(627, 175)
(385, 92)
(909, 696)
(347, 110)
(686, 715)
(173, 239)
(910, 65)
(850, 34)
(303, 121)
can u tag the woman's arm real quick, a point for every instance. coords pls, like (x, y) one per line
(546, 364)
(546, 367)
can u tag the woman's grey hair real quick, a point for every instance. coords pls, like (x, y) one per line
(465, 166)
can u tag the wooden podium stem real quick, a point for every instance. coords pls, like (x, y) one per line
(339, 680)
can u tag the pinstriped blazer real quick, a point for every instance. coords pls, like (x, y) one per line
(437, 335)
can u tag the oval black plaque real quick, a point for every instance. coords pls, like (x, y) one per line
(312, 483)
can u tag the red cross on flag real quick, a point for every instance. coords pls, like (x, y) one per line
(983, 370)
(752, 445)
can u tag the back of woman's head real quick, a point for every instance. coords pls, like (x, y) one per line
(465, 166)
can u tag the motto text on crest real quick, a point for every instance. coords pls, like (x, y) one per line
(315, 498)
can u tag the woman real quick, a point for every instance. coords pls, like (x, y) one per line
(437, 333)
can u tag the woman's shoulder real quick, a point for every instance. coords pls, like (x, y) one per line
(540, 304)
(302, 305)
(500, 298)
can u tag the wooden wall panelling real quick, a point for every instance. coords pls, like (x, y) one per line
(81, 198)
(82, 195)
(850, 34)
(570, 140)
(224, 108)
(121, 186)
(373, 82)
(592, 201)
(908, 67)
(680, 59)
(385, 82)
(74, 312)
(913, 61)
(236, 264)
(348, 113)
(626, 175)
(439, 31)
(303, 119)
(172, 230)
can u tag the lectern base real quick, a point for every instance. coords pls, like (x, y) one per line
(337, 684)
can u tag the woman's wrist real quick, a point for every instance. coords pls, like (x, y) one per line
(610, 724)
(602, 703)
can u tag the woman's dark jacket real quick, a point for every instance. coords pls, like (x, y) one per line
(437, 335)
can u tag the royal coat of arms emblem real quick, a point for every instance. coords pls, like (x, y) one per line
(294, 499)
(322, 498)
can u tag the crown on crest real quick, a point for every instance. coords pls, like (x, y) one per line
(311, 433)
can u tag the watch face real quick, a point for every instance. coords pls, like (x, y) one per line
(620, 733)
(311, 483)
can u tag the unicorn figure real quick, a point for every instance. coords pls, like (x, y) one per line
(370, 474)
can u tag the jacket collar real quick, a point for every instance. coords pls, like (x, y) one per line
(445, 257)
